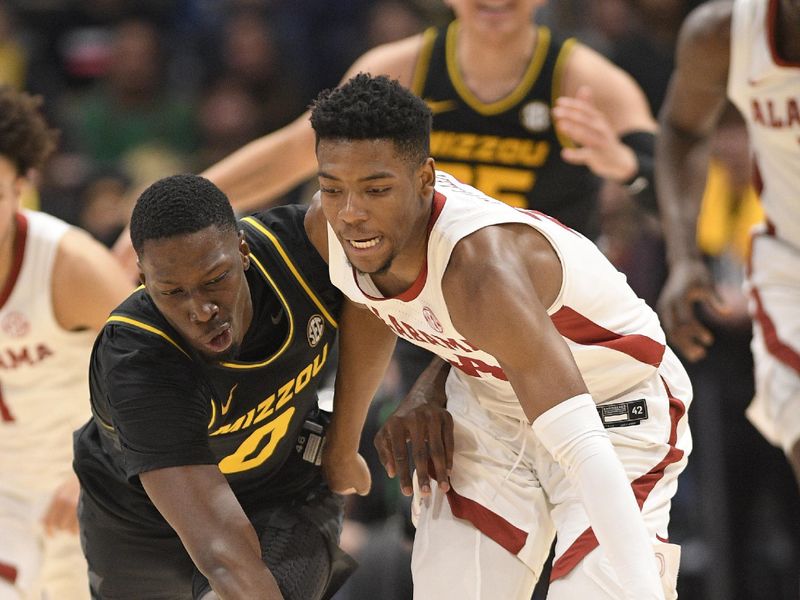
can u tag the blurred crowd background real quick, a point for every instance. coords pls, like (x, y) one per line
(140, 90)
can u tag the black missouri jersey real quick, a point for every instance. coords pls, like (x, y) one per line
(509, 149)
(157, 404)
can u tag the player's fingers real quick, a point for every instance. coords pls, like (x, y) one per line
(446, 432)
(575, 156)
(419, 451)
(384, 447)
(437, 451)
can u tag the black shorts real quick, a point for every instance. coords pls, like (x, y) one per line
(299, 543)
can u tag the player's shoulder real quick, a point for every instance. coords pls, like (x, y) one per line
(708, 25)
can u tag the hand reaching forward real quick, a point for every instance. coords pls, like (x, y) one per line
(346, 472)
(689, 282)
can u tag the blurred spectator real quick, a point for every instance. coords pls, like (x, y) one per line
(228, 117)
(130, 106)
(12, 54)
(104, 205)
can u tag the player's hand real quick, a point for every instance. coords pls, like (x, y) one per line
(689, 282)
(598, 145)
(429, 429)
(62, 512)
(126, 255)
(346, 473)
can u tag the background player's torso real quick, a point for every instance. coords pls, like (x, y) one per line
(764, 88)
(43, 384)
(508, 149)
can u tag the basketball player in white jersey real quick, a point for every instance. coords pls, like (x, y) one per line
(569, 411)
(57, 286)
(747, 51)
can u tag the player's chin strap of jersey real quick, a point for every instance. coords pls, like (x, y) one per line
(640, 186)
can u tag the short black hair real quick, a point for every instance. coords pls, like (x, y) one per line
(178, 205)
(374, 108)
(25, 138)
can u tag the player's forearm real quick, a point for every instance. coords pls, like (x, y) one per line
(429, 388)
(680, 175)
(573, 433)
(365, 349)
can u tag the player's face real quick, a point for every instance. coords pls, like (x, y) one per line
(11, 184)
(495, 15)
(197, 281)
(376, 202)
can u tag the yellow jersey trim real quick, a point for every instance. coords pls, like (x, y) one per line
(146, 327)
(517, 94)
(289, 316)
(268, 234)
(423, 63)
(558, 82)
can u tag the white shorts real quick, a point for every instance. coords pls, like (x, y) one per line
(509, 497)
(33, 565)
(773, 288)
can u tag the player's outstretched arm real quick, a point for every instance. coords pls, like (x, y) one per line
(695, 100)
(422, 420)
(365, 349)
(200, 506)
(522, 279)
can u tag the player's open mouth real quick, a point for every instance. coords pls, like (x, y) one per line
(364, 244)
(221, 341)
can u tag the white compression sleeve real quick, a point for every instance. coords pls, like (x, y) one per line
(573, 433)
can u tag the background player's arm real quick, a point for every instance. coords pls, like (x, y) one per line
(695, 99)
(271, 165)
(87, 284)
(200, 506)
(523, 277)
(599, 103)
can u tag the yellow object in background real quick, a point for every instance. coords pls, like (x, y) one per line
(726, 215)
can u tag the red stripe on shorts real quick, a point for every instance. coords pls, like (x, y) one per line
(489, 523)
(8, 572)
(586, 541)
(779, 349)
(574, 326)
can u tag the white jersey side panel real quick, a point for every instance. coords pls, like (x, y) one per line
(766, 90)
(43, 368)
(613, 335)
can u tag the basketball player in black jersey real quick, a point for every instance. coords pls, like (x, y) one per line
(200, 469)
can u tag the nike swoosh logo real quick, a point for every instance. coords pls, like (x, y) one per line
(276, 318)
(440, 106)
(227, 404)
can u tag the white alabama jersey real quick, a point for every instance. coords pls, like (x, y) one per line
(766, 90)
(614, 336)
(43, 368)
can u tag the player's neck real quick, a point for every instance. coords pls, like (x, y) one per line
(408, 263)
(493, 66)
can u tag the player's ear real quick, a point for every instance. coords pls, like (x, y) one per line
(141, 272)
(427, 176)
(244, 250)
